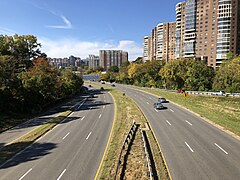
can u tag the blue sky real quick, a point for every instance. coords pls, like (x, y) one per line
(82, 27)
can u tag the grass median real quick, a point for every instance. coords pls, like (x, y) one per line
(224, 111)
(19, 144)
(125, 112)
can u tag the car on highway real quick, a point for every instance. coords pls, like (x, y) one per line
(113, 85)
(162, 100)
(158, 105)
(101, 88)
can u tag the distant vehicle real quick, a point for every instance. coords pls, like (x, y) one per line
(103, 82)
(113, 85)
(102, 88)
(181, 91)
(91, 95)
(218, 93)
(162, 100)
(89, 85)
(158, 105)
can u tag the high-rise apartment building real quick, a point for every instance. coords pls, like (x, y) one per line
(112, 58)
(145, 48)
(205, 29)
(93, 61)
(161, 43)
(180, 29)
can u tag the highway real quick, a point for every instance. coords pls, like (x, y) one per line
(72, 150)
(193, 148)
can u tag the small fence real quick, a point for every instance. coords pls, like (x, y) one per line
(146, 155)
(126, 141)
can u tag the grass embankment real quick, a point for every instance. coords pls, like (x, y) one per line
(224, 111)
(19, 144)
(125, 112)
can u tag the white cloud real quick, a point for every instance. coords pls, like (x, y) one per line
(67, 24)
(7, 31)
(67, 47)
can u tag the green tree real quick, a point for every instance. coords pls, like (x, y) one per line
(228, 76)
(113, 69)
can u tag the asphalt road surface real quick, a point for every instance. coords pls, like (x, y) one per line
(193, 148)
(72, 150)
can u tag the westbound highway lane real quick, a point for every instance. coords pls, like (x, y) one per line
(193, 148)
(72, 150)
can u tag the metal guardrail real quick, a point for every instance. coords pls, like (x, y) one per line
(126, 142)
(146, 154)
(213, 93)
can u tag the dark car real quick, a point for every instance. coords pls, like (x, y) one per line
(162, 100)
(89, 85)
(158, 105)
(102, 88)
(113, 85)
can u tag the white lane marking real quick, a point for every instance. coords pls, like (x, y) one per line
(99, 116)
(147, 102)
(168, 122)
(66, 135)
(189, 147)
(83, 118)
(171, 110)
(150, 98)
(59, 177)
(25, 174)
(156, 110)
(188, 122)
(103, 107)
(90, 107)
(221, 148)
(89, 135)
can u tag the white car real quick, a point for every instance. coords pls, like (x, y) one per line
(218, 93)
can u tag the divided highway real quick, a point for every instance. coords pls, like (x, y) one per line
(193, 148)
(72, 150)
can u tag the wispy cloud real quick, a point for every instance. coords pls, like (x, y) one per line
(67, 47)
(7, 31)
(67, 24)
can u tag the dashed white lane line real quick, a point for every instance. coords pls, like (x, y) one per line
(147, 102)
(171, 110)
(99, 116)
(66, 135)
(89, 135)
(221, 148)
(90, 107)
(59, 177)
(83, 118)
(25, 174)
(188, 122)
(168, 122)
(150, 98)
(189, 147)
(103, 107)
(156, 110)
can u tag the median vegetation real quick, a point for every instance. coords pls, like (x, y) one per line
(24, 141)
(135, 167)
(224, 111)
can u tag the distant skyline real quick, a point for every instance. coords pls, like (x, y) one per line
(82, 27)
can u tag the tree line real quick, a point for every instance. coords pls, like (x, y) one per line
(188, 74)
(27, 82)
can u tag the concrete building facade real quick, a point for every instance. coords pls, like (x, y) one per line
(93, 61)
(112, 58)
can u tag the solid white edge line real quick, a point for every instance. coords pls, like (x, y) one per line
(66, 135)
(25, 174)
(103, 107)
(221, 148)
(189, 146)
(82, 118)
(59, 177)
(147, 102)
(189, 123)
(89, 135)
(99, 116)
(168, 122)
(171, 110)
